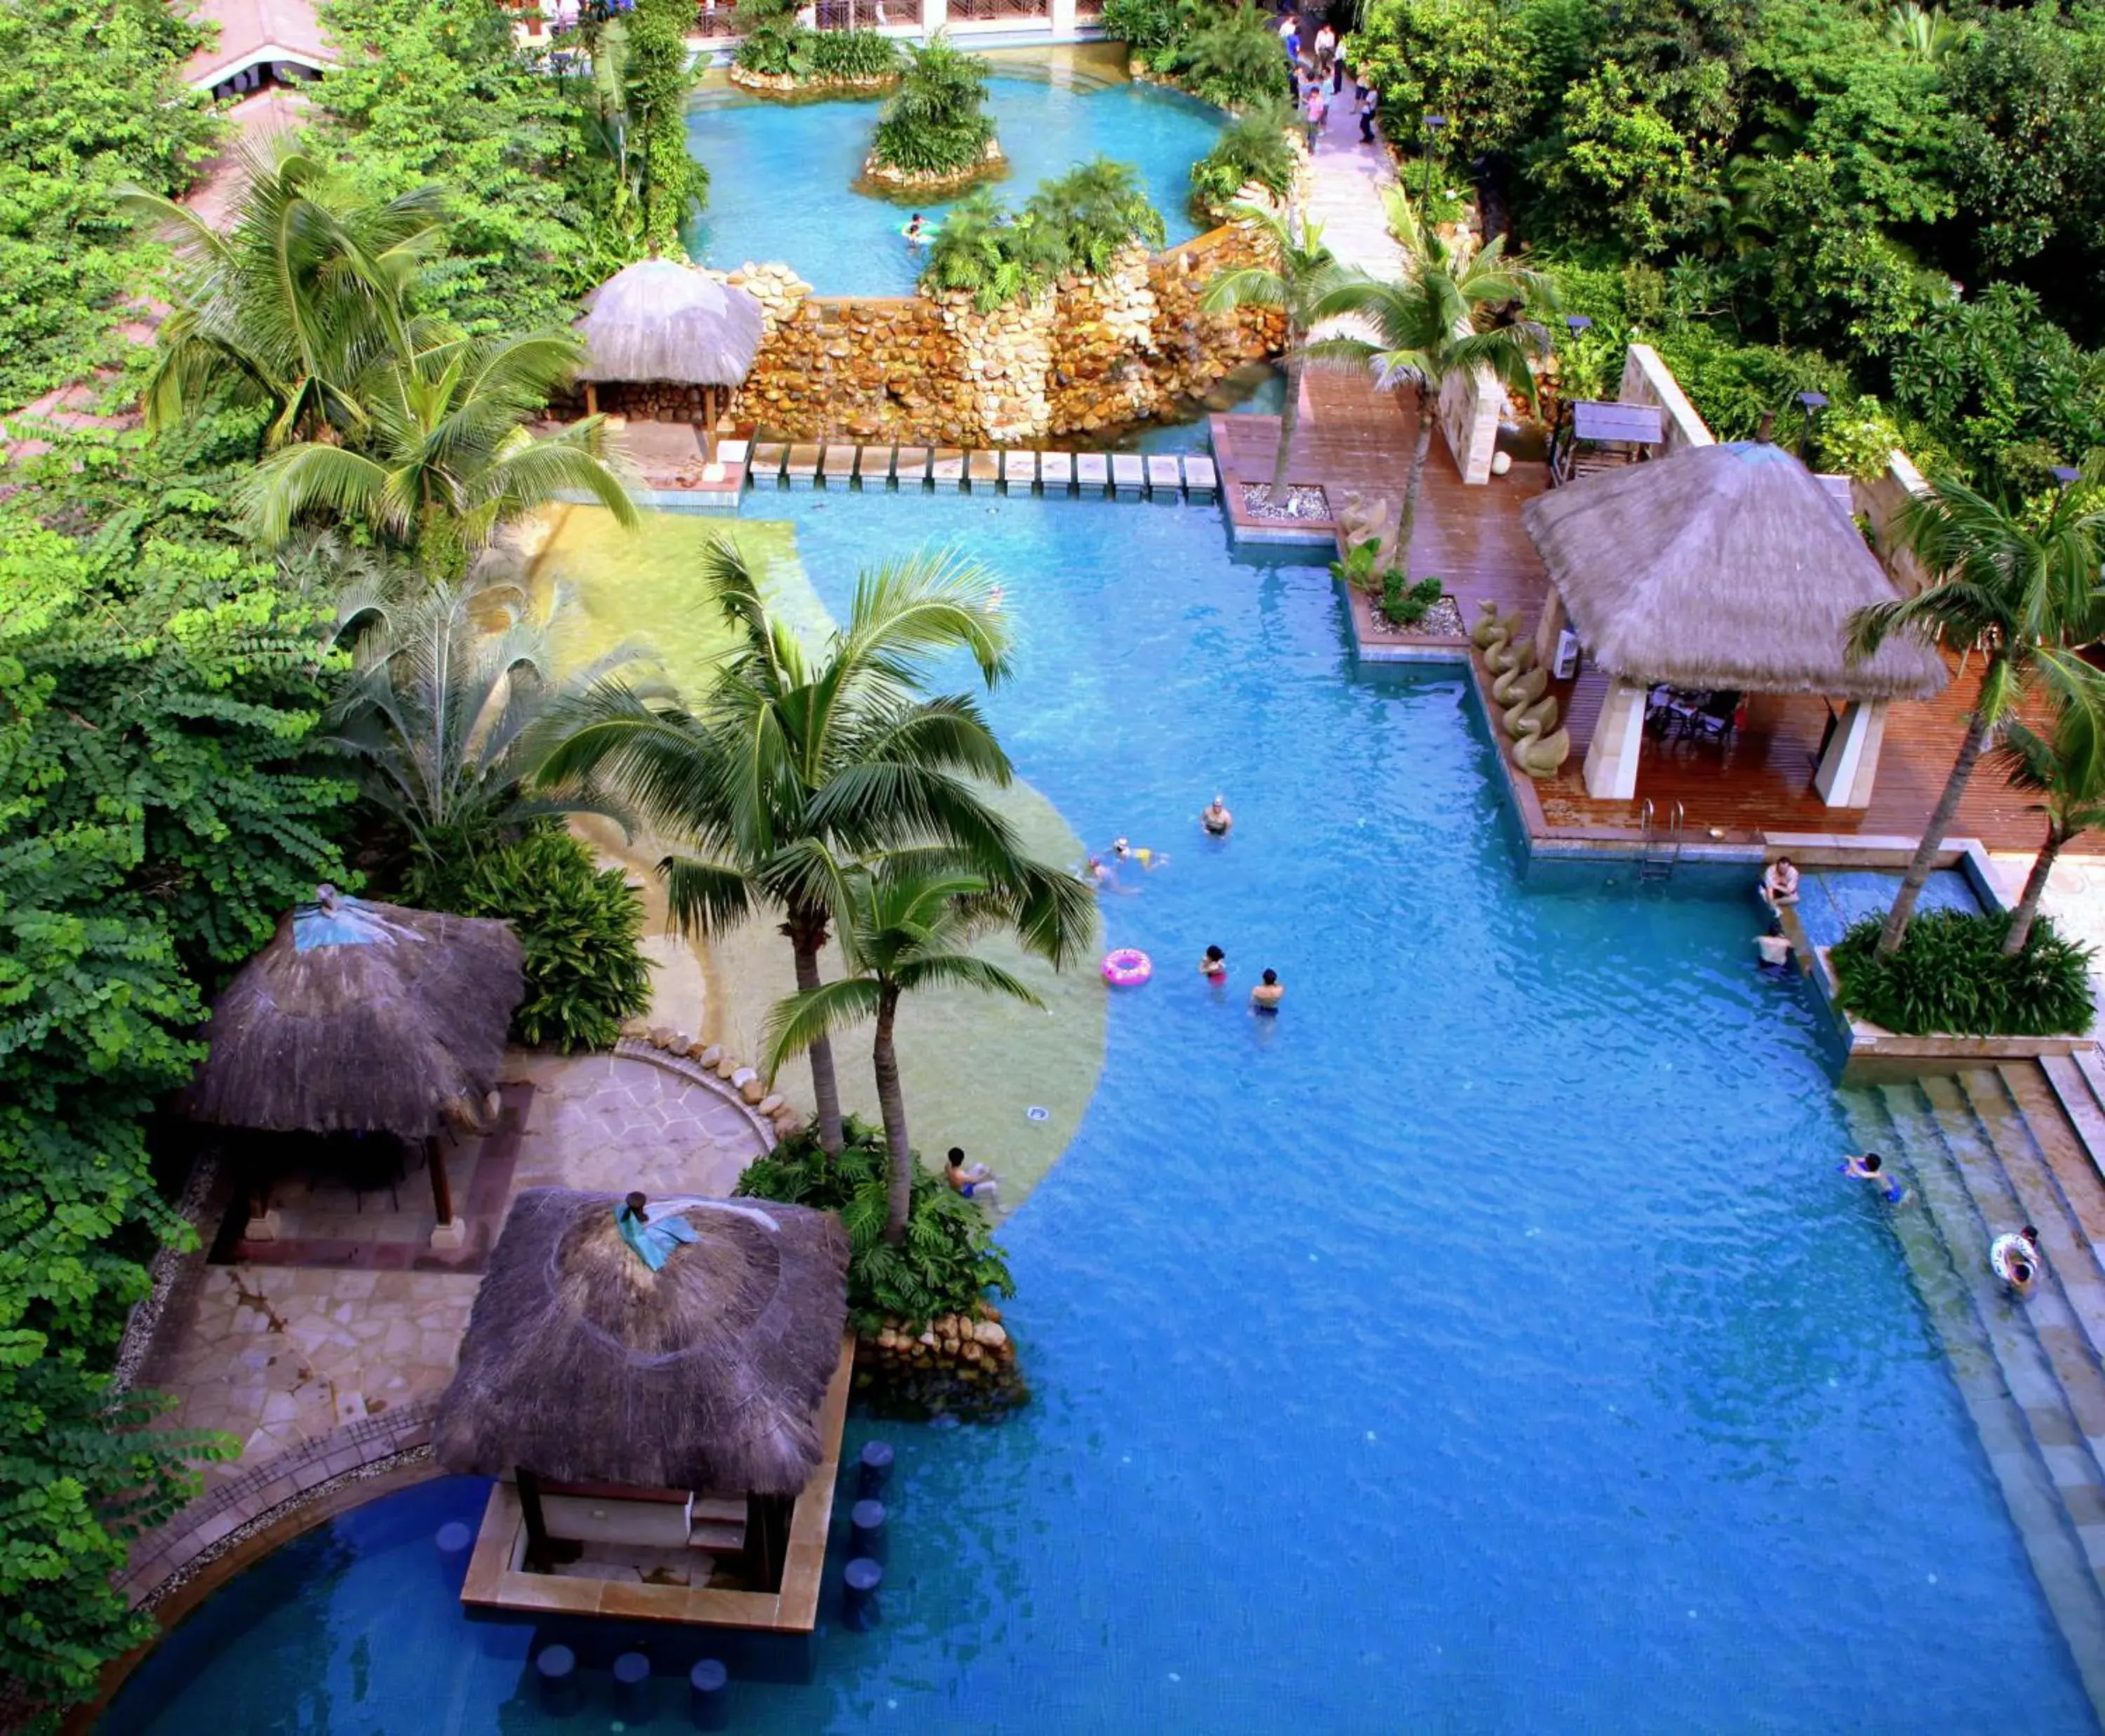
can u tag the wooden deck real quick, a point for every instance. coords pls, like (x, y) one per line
(1355, 439)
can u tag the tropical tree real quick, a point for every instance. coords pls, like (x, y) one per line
(2067, 770)
(2020, 584)
(441, 456)
(790, 770)
(441, 716)
(1440, 319)
(290, 303)
(906, 924)
(1302, 275)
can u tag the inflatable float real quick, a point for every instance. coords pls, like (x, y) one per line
(1127, 967)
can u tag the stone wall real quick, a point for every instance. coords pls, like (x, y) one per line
(1091, 353)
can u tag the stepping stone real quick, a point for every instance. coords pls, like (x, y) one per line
(767, 458)
(802, 468)
(734, 451)
(948, 470)
(1057, 469)
(1093, 471)
(911, 466)
(1129, 475)
(1165, 478)
(1019, 470)
(873, 466)
(1201, 480)
(838, 465)
(982, 469)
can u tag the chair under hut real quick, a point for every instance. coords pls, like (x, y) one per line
(664, 1425)
(1721, 570)
(660, 321)
(364, 1020)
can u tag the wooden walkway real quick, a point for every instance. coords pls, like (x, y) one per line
(1355, 439)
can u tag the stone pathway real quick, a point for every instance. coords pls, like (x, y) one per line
(613, 1123)
(1348, 178)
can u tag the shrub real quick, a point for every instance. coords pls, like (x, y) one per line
(850, 54)
(1357, 568)
(777, 47)
(1406, 604)
(1950, 975)
(1229, 59)
(948, 1260)
(1077, 222)
(579, 925)
(936, 122)
(1252, 147)
(1143, 25)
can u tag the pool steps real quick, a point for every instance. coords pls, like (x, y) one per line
(1985, 1152)
(1162, 476)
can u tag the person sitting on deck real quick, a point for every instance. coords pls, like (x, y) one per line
(2015, 1258)
(1779, 883)
(973, 1181)
(1268, 995)
(1871, 1167)
(1774, 948)
(1216, 818)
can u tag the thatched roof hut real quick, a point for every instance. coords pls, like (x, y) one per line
(363, 1018)
(660, 319)
(582, 1365)
(1724, 566)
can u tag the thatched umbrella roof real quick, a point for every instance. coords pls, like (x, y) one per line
(1723, 566)
(362, 1017)
(658, 320)
(582, 1365)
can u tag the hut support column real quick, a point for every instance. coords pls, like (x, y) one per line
(1851, 763)
(442, 1193)
(592, 399)
(1612, 756)
(1547, 629)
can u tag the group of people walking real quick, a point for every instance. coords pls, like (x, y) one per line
(1317, 79)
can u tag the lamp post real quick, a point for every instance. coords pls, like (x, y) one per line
(1812, 403)
(2064, 474)
(1433, 124)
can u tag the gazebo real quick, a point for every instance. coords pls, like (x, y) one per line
(1723, 567)
(659, 320)
(364, 1018)
(660, 1386)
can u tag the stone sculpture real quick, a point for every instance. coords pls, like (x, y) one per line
(1540, 756)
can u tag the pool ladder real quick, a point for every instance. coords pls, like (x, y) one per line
(1659, 850)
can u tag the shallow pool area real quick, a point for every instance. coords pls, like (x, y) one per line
(782, 175)
(1484, 1344)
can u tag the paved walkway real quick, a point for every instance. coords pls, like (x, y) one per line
(1345, 193)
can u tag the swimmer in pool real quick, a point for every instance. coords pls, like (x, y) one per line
(1268, 995)
(1214, 966)
(1216, 819)
(2015, 1259)
(1148, 859)
(916, 232)
(1871, 1167)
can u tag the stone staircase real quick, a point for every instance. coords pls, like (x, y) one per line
(1988, 1151)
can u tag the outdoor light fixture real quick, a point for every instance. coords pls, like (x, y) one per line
(1813, 400)
(1433, 124)
(1577, 322)
(2064, 474)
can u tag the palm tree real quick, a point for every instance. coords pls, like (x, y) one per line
(291, 302)
(441, 717)
(442, 456)
(2019, 583)
(1302, 275)
(905, 924)
(789, 772)
(2067, 771)
(1434, 322)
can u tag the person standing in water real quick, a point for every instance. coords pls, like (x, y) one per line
(1214, 966)
(1216, 819)
(1871, 1167)
(1268, 995)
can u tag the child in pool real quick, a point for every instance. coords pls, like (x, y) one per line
(1214, 966)
(1871, 1167)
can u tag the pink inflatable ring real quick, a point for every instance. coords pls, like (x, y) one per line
(1127, 967)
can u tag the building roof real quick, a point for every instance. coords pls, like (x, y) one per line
(254, 31)
(1723, 566)
(584, 1365)
(661, 319)
(362, 1017)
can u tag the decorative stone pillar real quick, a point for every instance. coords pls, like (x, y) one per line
(935, 16)
(1612, 756)
(1063, 21)
(1851, 763)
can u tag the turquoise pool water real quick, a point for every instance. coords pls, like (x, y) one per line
(1484, 1344)
(781, 175)
(1829, 899)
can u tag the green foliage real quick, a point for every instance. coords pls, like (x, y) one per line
(1359, 567)
(156, 817)
(851, 53)
(1228, 56)
(1406, 604)
(1079, 223)
(1252, 147)
(946, 1262)
(91, 97)
(936, 122)
(578, 923)
(1950, 974)
(1450, 57)
(671, 186)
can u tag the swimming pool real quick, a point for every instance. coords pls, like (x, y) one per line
(781, 175)
(1484, 1344)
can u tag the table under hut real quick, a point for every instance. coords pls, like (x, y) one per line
(1705, 582)
(659, 1387)
(365, 1037)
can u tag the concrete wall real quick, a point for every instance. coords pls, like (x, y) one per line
(1469, 407)
(1879, 501)
(1648, 380)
